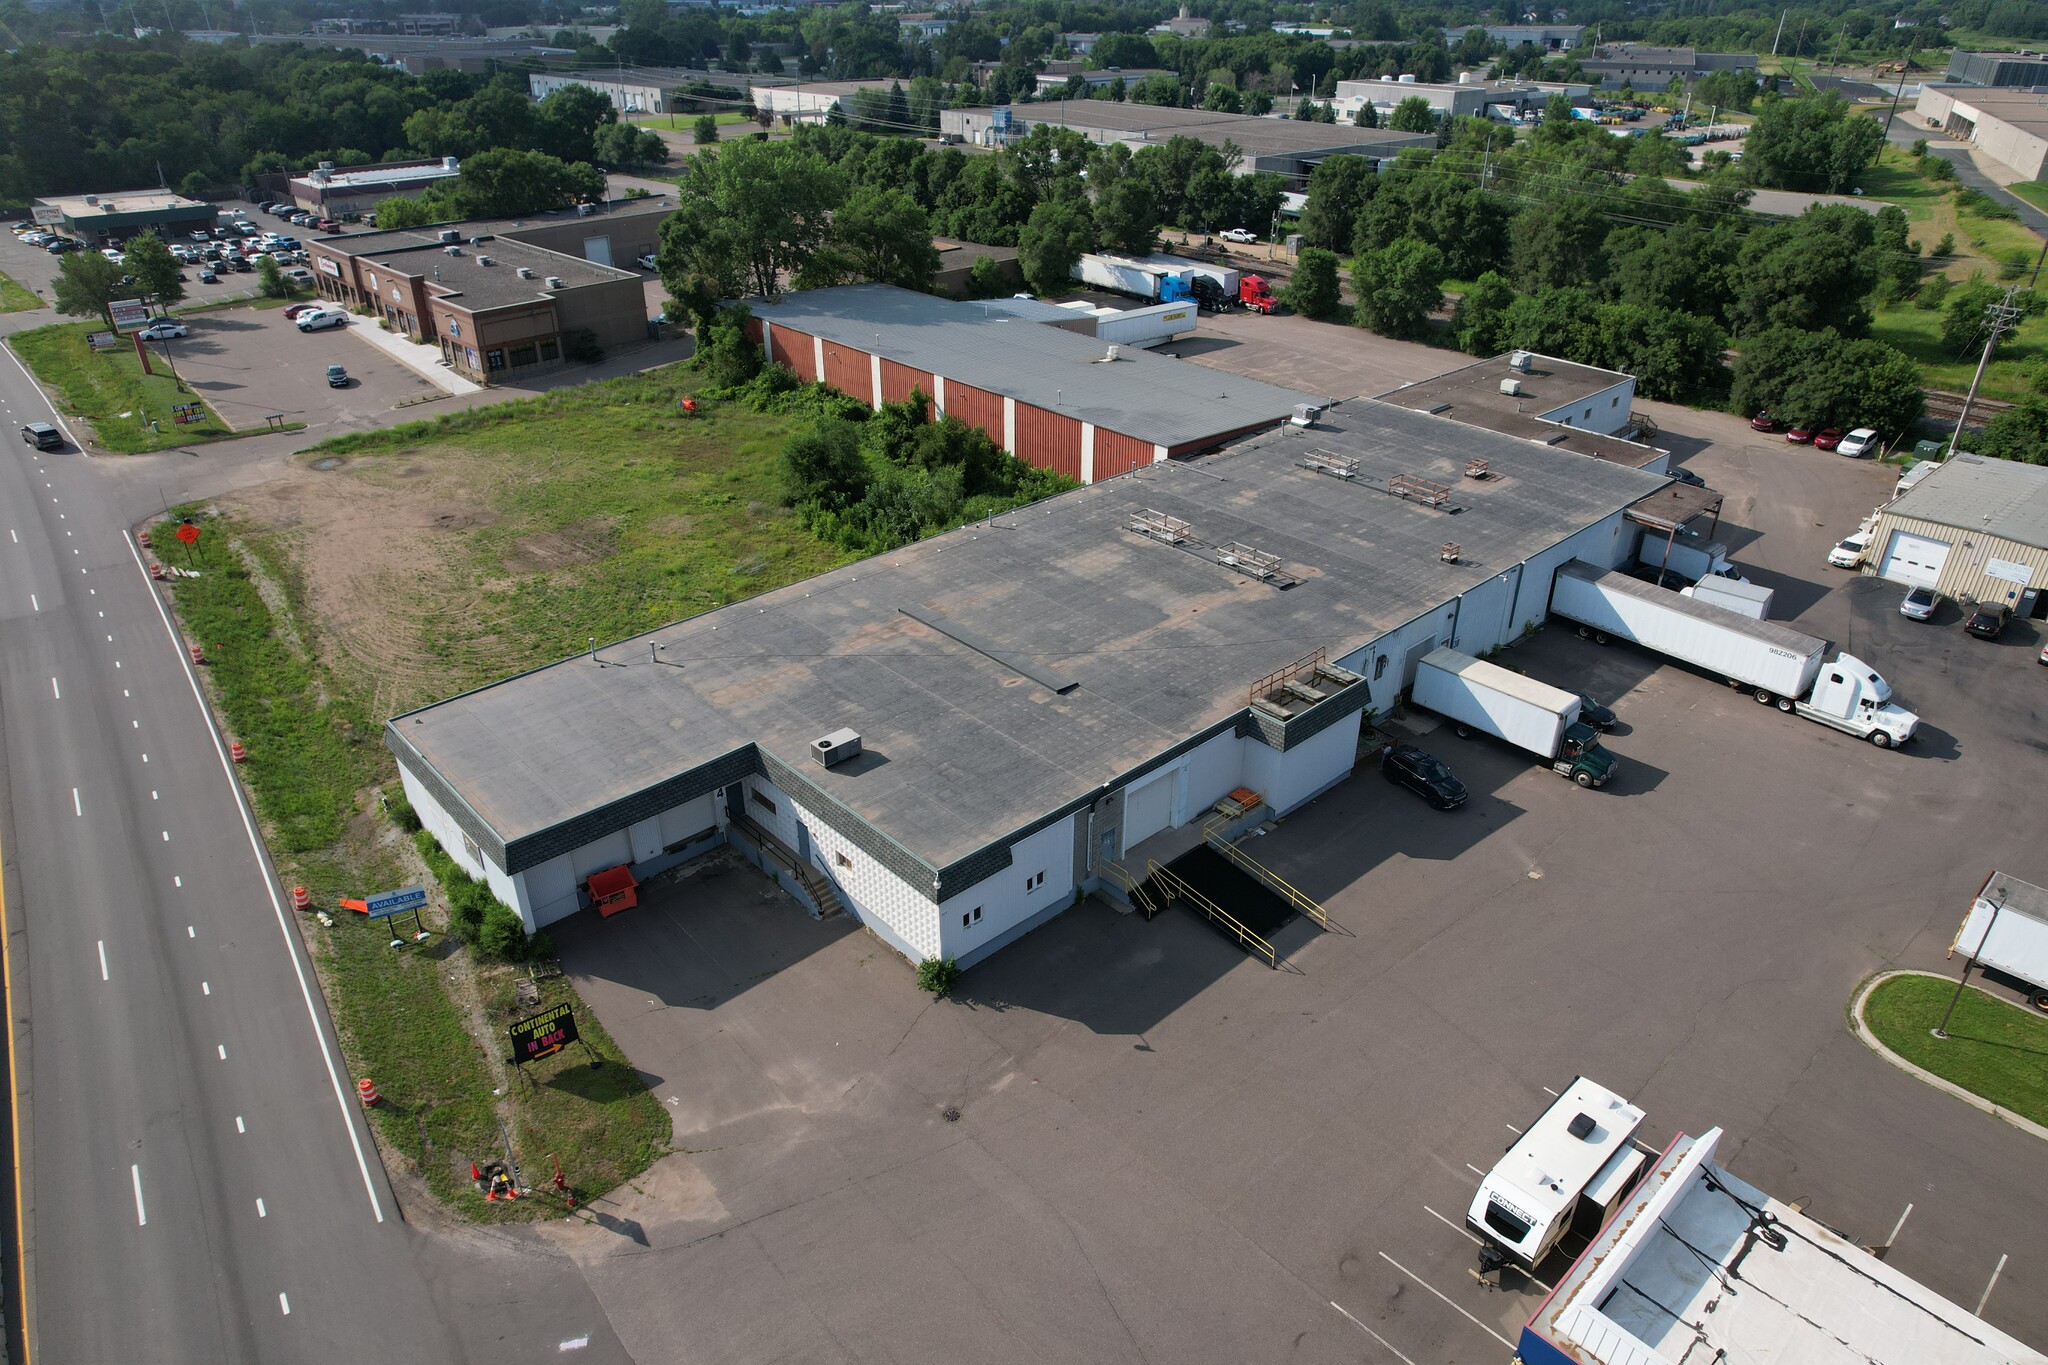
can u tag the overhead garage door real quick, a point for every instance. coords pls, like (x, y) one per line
(1914, 560)
(598, 249)
(1148, 809)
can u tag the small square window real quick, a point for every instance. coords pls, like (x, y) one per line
(760, 800)
(1615, 401)
(977, 914)
(1589, 412)
(964, 921)
(842, 860)
(476, 855)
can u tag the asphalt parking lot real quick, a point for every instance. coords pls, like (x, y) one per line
(1166, 1151)
(253, 363)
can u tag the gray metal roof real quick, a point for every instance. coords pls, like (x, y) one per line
(962, 747)
(1973, 493)
(1255, 136)
(1166, 402)
(429, 234)
(1546, 386)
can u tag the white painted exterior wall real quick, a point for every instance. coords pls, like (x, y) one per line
(1605, 412)
(1013, 899)
(901, 915)
(1310, 768)
(628, 96)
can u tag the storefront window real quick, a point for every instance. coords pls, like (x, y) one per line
(494, 360)
(549, 350)
(523, 354)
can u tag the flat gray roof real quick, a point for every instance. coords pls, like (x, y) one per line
(1974, 493)
(2024, 109)
(386, 173)
(1471, 394)
(1254, 136)
(429, 234)
(1167, 402)
(478, 287)
(1159, 643)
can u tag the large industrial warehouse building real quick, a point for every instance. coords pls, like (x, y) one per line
(1034, 697)
(1051, 398)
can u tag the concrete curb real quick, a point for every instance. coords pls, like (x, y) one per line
(1870, 1040)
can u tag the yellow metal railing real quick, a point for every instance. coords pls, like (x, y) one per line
(1134, 890)
(1179, 889)
(1308, 905)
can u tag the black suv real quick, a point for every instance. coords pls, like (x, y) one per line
(1987, 619)
(1404, 765)
(43, 436)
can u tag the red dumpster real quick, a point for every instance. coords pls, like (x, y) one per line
(612, 890)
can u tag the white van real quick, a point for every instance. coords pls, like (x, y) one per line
(1570, 1169)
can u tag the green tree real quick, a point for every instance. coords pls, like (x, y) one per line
(155, 269)
(1561, 322)
(1481, 314)
(1815, 272)
(705, 129)
(1413, 115)
(1337, 189)
(1962, 321)
(270, 281)
(622, 144)
(748, 215)
(1220, 99)
(724, 354)
(1673, 355)
(1127, 217)
(2018, 433)
(1814, 142)
(1052, 243)
(1398, 286)
(87, 283)
(986, 279)
(887, 237)
(1313, 291)
(505, 183)
(1557, 243)
(1820, 378)
(1367, 116)
(822, 466)
(568, 121)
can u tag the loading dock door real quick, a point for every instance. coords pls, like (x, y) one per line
(1148, 809)
(1914, 560)
(598, 249)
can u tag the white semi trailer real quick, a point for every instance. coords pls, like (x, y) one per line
(1750, 599)
(2007, 929)
(1569, 1169)
(1774, 663)
(1526, 713)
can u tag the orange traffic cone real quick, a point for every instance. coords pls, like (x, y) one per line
(302, 899)
(366, 1090)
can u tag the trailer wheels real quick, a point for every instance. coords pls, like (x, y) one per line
(1763, 697)
(1880, 739)
(2039, 1000)
(1785, 705)
(1599, 637)
(1585, 632)
(1464, 732)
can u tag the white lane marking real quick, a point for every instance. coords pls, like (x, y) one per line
(1512, 1129)
(152, 793)
(141, 1217)
(77, 807)
(56, 691)
(135, 724)
(103, 959)
(240, 1127)
(1369, 1332)
(573, 1344)
(1898, 1225)
(179, 882)
(222, 1048)
(110, 639)
(261, 1212)
(1546, 1089)
(145, 758)
(206, 988)
(1475, 1170)
(167, 836)
(1995, 1273)
(348, 1118)
(1467, 1234)
(189, 931)
(1452, 1302)
(32, 602)
(285, 1304)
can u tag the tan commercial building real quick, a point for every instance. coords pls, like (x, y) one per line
(1975, 528)
(2009, 126)
(498, 298)
(348, 191)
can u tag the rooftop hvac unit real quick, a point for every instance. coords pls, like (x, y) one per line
(1112, 355)
(92, 201)
(1511, 387)
(833, 749)
(1520, 361)
(327, 165)
(450, 235)
(449, 163)
(555, 282)
(525, 272)
(485, 260)
(451, 251)
(1407, 79)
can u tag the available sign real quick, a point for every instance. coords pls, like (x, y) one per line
(544, 1034)
(396, 902)
(128, 312)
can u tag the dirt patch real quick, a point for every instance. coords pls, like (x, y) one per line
(579, 543)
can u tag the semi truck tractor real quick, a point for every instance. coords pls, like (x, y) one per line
(1774, 663)
(1570, 1169)
(1530, 715)
(1254, 293)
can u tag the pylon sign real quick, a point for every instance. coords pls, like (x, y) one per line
(543, 1034)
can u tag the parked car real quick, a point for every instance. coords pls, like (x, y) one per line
(337, 377)
(1849, 552)
(1239, 235)
(1800, 436)
(199, 235)
(1827, 438)
(1920, 604)
(116, 255)
(299, 276)
(43, 436)
(1594, 714)
(320, 319)
(208, 276)
(1860, 442)
(292, 311)
(37, 237)
(164, 329)
(57, 246)
(1404, 765)
(239, 264)
(1987, 620)
(646, 262)
(1686, 476)
(1763, 421)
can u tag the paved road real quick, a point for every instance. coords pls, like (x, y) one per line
(198, 1184)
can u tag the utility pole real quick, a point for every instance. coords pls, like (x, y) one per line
(1941, 1029)
(1781, 31)
(1999, 318)
(1896, 94)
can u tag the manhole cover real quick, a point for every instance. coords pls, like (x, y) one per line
(951, 1113)
(329, 462)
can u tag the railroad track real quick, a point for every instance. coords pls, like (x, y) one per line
(1944, 406)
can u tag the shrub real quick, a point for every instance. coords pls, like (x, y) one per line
(504, 937)
(580, 345)
(1919, 148)
(1946, 246)
(938, 975)
(401, 812)
(1933, 293)
(2015, 263)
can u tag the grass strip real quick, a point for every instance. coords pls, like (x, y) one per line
(314, 769)
(1993, 1049)
(14, 298)
(109, 390)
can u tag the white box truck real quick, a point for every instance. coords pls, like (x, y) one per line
(1526, 713)
(2007, 929)
(1774, 663)
(1689, 557)
(1570, 1169)
(1747, 598)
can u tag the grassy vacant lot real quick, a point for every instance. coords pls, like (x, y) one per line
(421, 561)
(14, 298)
(1993, 1049)
(2035, 192)
(679, 122)
(110, 390)
(1918, 334)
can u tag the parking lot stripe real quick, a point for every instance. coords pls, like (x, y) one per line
(1468, 1234)
(1447, 1299)
(1369, 1332)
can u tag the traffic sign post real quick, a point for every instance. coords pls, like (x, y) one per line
(545, 1034)
(406, 900)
